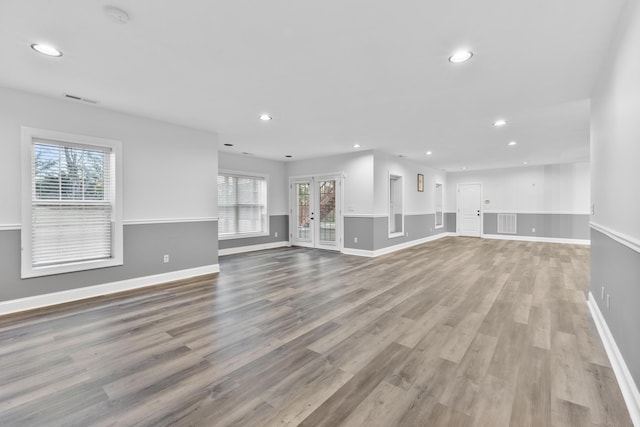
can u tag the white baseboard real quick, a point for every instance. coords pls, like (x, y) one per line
(625, 380)
(242, 249)
(537, 239)
(45, 300)
(394, 248)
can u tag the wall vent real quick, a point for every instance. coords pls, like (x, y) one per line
(507, 223)
(79, 98)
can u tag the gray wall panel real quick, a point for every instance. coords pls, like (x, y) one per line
(450, 222)
(617, 268)
(418, 227)
(277, 223)
(360, 227)
(189, 245)
(560, 226)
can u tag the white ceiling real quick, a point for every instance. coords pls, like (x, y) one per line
(332, 73)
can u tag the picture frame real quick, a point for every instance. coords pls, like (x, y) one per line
(420, 182)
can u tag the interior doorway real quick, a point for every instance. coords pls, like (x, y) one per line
(469, 211)
(316, 211)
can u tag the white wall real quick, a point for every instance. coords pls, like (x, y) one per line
(278, 183)
(615, 133)
(562, 188)
(169, 171)
(358, 185)
(415, 202)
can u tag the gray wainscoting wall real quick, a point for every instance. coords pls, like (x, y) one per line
(188, 244)
(560, 226)
(450, 222)
(277, 223)
(373, 232)
(617, 268)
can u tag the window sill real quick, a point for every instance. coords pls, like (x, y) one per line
(69, 268)
(394, 235)
(438, 227)
(241, 236)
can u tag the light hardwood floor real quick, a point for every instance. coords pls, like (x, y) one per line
(456, 332)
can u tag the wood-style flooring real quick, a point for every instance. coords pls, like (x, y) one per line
(456, 332)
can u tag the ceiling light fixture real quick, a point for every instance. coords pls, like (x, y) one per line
(429, 153)
(460, 56)
(288, 156)
(512, 143)
(525, 163)
(46, 49)
(499, 122)
(265, 117)
(356, 145)
(228, 145)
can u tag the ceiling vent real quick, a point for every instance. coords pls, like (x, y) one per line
(79, 98)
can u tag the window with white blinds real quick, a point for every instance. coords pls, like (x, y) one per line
(242, 205)
(72, 221)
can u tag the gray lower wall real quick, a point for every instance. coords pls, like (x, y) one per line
(373, 233)
(560, 226)
(188, 244)
(277, 223)
(450, 222)
(617, 268)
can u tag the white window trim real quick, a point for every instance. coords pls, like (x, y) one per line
(27, 270)
(398, 233)
(435, 217)
(267, 219)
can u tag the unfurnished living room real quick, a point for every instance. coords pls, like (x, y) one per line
(337, 213)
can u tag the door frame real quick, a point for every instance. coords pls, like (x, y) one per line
(339, 176)
(459, 207)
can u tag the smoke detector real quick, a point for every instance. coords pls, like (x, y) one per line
(116, 14)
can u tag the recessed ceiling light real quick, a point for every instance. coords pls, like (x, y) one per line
(512, 143)
(429, 153)
(464, 168)
(46, 49)
(460, 56)
(499, 122)
(356, 145)
(288, 156)
(228, 145)
(525, 163)
(265, 117)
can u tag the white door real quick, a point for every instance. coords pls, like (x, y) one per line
(469, 210)
(316, 212)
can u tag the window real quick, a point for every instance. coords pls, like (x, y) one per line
(71, 210)
(242, 205)
(438, 203)
(396, 213)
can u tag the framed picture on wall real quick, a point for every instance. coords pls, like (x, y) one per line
(420, 182)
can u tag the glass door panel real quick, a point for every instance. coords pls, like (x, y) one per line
(327, 208)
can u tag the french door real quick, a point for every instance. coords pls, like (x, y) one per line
(316, 212)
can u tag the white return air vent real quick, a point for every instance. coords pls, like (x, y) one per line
(507, 223)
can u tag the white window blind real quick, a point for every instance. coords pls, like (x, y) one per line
(242, 205)
(71, 203)
(71, 213)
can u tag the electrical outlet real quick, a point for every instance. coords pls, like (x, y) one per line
(608, 301)
(355, 240)
(275, 234)
(602, 293)
(165, 259)
(533, 230)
